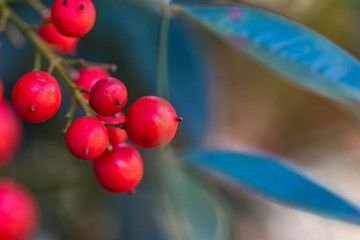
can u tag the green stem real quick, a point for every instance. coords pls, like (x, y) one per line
(39, 7)
(37, 61)
(74, 90)
(4, 17)
(83, 63)
(162, 73)
(69, 115)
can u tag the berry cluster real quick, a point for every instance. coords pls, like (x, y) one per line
(150, 121)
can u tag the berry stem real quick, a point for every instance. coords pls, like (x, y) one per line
(81, 62)
(118, 125)
(4, 17)
(69, 115)
(83, 90)
(37, 60)
(39, 7)
(74, 91)
(162, 73)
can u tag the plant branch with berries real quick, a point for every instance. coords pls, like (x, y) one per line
(150, 121)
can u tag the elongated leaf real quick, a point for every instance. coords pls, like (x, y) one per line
(278, 180)
(285, 46)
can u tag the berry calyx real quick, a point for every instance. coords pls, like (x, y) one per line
(151, 122)
(10, 132)
(88, 76)
(86, 138)
(119, 170)
(108, 96)
(62, 43)
(18, 211)
(36, 96)
(116, 134)
(73, 18)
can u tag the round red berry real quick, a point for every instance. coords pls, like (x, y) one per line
(18, 211)
(86, 138)
(87, 77)
(36, 96)
(119, 170)
(51, 35)
(108, 96)
(116, 134)
(10, 132)
(73, 18)
(151, 122)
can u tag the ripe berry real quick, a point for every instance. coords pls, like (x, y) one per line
(52, 36)
(116, 135)
(108, 96)
(151, 122)
(36, 96)
(89, 76)
(10, 132)
(73, 18)
(119, 170)
(86, 138)
(18, 211)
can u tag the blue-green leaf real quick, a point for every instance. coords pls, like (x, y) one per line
(289, 48)
(277, 180)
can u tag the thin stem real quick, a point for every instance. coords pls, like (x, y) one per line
(37, 61)
(83, 90)
(51, 67)
(39, 7)
(75, 92)
(118, 125)
(4, 17)
(83, 63)
(69, 115)
(162, 72)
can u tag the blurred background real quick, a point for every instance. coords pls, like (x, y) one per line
(226, 100)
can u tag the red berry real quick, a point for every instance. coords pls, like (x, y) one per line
(10, 132)
(108, 96)
(73, 18)
(18, 211)
(89, 76)
(36, 96)
(86, 138)
(151, 122)
(119, 170)
(52, 36)
(116, 135)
